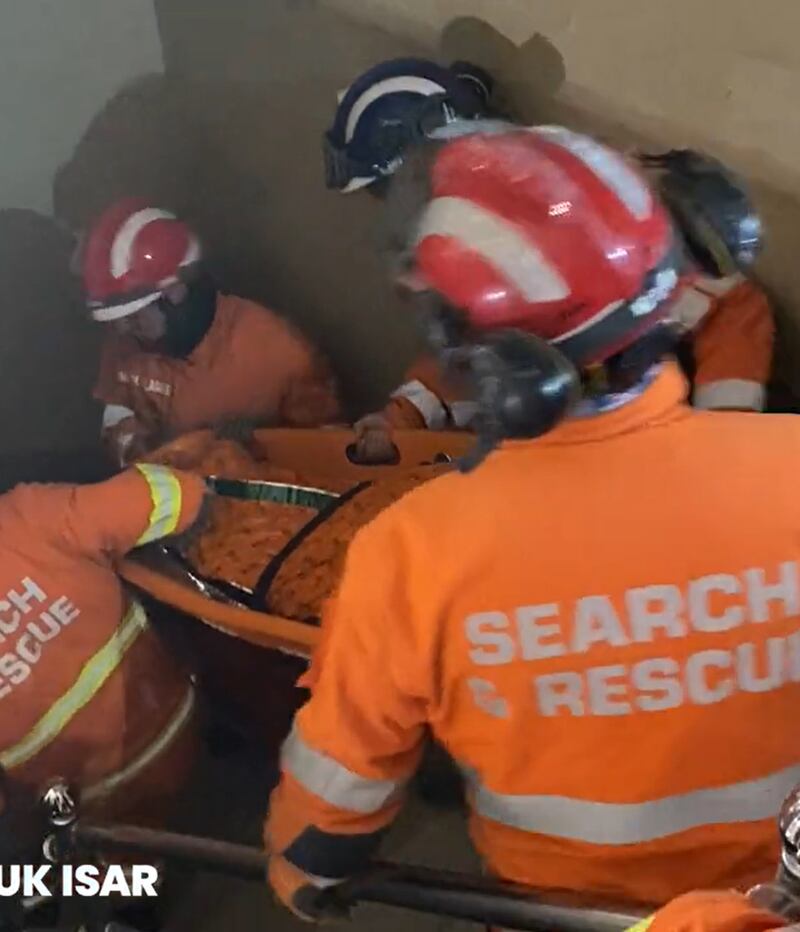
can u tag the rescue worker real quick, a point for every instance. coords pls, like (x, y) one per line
(726, 317)
(728, 320)
(88, 691)
(601, 622)
(180, 355)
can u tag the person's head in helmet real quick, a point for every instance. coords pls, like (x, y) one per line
(711, 207)
(393, 106)
(141, 274)
(552, 264)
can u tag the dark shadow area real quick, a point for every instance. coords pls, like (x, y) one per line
(48, 357)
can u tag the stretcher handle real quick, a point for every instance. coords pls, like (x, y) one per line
(421, 889)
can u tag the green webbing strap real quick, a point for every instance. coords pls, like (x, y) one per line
(255, 490)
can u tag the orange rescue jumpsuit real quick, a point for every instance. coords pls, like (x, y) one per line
(87, 691)
(732, 343)
(602, 627)
(250, 365)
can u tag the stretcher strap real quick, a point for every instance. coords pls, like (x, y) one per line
(280, 493)
(271, 570)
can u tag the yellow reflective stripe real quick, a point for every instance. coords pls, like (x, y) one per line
(642, 926)
(165, 493)
(93, 675)
(107, 785)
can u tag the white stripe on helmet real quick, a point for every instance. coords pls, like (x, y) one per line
(610, 167)
(193, 252)
(120, 260)
(108, 312)
(407, 83)
(499, 242)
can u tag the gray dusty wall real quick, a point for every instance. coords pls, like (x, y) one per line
(59, 63)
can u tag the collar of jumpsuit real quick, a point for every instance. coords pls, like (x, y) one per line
(661, 398)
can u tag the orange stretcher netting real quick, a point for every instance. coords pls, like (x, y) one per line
(289, 557)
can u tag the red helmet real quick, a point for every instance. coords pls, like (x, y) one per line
(132, 253)
(547, 231)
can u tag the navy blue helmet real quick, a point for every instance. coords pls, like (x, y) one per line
(392, 106)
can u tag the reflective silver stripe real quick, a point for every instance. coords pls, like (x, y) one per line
(165, 493)
(174, 727)
(409, 84)
(634, 823)
(428, 403)
(498, 242)
(331, 781)
(612, 169)
(738, 394)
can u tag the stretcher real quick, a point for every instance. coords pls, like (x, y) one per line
(287, 505)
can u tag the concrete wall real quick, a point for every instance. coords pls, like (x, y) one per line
(59, 63)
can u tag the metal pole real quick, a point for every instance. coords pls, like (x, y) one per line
(420, 889)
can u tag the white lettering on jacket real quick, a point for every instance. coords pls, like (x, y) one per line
(561, 639)
(29, 620)
(154, 386)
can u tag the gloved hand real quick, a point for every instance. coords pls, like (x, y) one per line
(309, 898)
(374, 444)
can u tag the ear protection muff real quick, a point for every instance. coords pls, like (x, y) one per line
(712, 207)
(522, 385)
